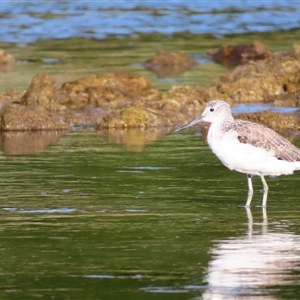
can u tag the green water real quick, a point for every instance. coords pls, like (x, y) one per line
(70, 59)
(137, 215)
(86, 219)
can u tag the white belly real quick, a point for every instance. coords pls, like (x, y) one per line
(248, 159)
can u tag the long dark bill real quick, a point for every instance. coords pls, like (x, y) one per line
(194, 122)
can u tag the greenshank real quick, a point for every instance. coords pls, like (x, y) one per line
(247, 147)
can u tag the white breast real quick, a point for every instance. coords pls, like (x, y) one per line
(246, 158)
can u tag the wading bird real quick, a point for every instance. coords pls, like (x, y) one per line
(247, 147)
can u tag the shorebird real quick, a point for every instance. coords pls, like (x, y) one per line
(247, 147)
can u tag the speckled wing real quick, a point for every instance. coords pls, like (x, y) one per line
(258, 135)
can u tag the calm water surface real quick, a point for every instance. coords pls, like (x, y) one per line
(84, 218)
(138, 215)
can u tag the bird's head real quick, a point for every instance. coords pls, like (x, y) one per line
(215, 111)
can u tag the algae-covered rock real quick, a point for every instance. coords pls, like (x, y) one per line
(74, 94)
(6, 60)
(231, 56)
(17, 116)
(10, 96)
(42, 92)
(130, 117)
(125, 100)
(108, 91)
(165, 63)
(188, 97)
(175, 106)
(275, 121)
(260, 81)
(30, 111)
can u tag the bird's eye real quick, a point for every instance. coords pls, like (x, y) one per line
(212, 109)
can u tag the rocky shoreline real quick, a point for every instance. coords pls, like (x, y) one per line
(126, 100)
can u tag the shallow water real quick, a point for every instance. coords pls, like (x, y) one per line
(46, 38)
(90, 219)
(26, 21)
(137, 214)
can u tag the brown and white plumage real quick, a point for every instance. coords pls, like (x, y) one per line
(261, 136)
(247, 147)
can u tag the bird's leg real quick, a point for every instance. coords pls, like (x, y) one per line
(265, 221)
(266, 189)
(250, 221)
(250, 190)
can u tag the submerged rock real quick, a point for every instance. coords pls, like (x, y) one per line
(6, 60)
(231, 56)
(165, 63)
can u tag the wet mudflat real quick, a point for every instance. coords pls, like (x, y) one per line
(91, 219)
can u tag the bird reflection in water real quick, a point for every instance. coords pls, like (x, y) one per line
(248, 266)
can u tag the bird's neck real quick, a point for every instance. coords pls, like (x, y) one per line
(220, 126)
(223, 122)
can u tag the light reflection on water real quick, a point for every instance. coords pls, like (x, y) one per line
(41, 211)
